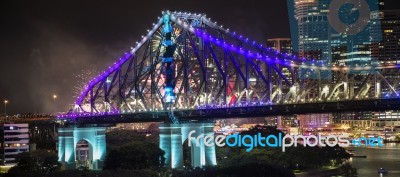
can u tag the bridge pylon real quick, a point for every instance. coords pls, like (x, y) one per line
(68, 139)
(173, 138)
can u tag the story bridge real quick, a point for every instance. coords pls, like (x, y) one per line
(188, 67)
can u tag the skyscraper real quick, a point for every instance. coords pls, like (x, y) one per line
(310, 28)
(337, 33)
(388, 50)
(334, 31)
(282, 45)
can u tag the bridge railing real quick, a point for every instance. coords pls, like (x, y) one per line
(27, 118)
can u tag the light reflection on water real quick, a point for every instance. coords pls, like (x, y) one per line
(387, 157)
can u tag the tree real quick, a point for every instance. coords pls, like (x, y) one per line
(35, 164)
(134, 155)
(118, 138)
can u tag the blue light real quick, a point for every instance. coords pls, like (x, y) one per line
(67, 145)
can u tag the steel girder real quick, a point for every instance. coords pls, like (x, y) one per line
(213, 66)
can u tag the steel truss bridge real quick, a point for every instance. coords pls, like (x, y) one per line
(189, 67)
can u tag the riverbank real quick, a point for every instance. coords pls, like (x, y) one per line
(325, 172)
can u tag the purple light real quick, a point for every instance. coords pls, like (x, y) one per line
(240, 50)
(199, 33)
(102, 77)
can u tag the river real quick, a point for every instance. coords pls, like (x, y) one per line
(387, 157)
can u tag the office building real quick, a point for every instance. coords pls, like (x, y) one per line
(317, 37)
(388, 50)
(14, 140)
(282, 45)
(310, 28)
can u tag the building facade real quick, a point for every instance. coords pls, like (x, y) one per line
(388, 50)
(326, 31)
(310, 28)
(282, 45)
(15, 140)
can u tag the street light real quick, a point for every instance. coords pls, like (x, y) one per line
(54, 97)
(5, 106)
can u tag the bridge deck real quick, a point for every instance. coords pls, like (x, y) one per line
(212, 113)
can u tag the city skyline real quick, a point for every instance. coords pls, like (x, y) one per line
(202, 88)
(47, 54)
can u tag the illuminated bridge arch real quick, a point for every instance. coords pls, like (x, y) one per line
(212, 67)
(215, 68)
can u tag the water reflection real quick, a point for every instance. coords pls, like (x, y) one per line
(387, 157)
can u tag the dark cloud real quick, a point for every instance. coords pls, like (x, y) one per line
(45, 45)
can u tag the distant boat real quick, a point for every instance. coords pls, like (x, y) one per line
(382, 170)
(352, 154)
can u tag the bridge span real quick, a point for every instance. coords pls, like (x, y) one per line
(188, 70)
(212, 112)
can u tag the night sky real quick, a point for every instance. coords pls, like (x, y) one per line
(46, 46)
